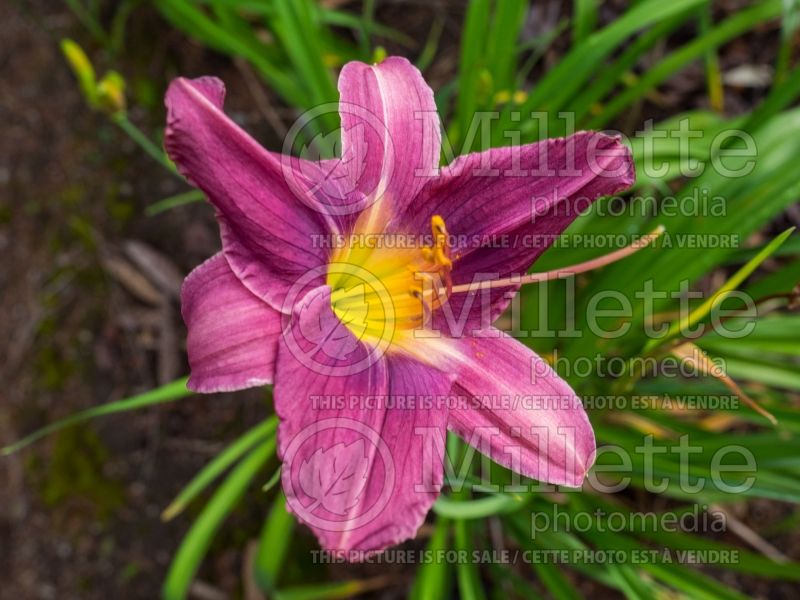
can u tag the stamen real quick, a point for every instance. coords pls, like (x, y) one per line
(565, 272)
(438, 257)
(427, 311)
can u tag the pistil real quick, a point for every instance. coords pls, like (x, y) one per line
(563, 272)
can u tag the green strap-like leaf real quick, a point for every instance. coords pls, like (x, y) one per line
(219, 464)
(273, 545)
(166, 393)
(701, 311)
(195, 545)
(433, 576)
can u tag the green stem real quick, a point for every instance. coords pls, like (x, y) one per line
(144, 142)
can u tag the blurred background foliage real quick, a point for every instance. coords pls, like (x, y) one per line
(631, 66)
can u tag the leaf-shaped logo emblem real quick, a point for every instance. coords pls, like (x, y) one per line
(327, 333)
(335, 478)
(340, 171)
(321, 146)
(355, 310)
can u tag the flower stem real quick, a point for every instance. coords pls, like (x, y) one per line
(144, 142)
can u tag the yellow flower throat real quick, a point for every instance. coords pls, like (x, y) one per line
(383, 293)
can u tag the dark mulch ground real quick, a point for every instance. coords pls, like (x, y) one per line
(79, 513)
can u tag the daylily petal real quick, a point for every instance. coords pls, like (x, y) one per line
(391, 136)
(361, 471)
(506, 206)
(233, 334)
(268, 229)
(327, 182)
(525, 415)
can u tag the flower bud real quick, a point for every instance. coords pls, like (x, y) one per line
(111, 93)
(80, 65)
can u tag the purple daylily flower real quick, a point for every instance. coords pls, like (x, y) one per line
(375, 349)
